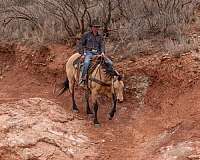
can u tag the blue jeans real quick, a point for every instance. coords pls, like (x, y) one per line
(87, 61)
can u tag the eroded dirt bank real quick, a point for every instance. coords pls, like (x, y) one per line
(159, 119)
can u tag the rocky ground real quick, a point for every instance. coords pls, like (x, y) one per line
(37, 128)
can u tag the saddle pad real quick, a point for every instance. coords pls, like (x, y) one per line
(77, 62)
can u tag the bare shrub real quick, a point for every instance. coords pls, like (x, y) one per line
(44, 19)
(156, 17)
(63, 20)
(184, 45)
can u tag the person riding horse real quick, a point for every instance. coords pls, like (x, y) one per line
(103, 78)
(90, 45)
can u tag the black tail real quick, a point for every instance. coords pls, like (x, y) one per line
(65, 87)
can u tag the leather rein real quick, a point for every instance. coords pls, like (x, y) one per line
(99, 82)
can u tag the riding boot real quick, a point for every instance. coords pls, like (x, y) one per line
(84, 76)
(86, 65)
(83, 81)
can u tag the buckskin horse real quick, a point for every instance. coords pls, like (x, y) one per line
(102, 80)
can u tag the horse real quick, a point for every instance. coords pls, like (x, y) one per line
(102, 80)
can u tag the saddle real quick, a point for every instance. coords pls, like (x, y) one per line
(78, 63)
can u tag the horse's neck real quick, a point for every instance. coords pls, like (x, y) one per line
(100, 74)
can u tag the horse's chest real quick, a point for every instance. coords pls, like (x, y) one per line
(105, 91)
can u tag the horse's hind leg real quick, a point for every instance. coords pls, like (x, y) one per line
(114, 103)
(86, 98)
(74, 106)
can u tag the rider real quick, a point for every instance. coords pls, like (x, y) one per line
(91, 44)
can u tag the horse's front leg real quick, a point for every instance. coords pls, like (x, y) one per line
(95, 105)
(114, 104)
(96, 122)
(87, 106)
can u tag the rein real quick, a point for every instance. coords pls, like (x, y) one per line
(97, 65)
(99, 82)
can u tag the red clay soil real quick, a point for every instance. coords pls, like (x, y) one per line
(159, 116)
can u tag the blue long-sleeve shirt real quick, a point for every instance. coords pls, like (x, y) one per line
(89, 42)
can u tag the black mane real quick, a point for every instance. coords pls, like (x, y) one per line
(108, 69)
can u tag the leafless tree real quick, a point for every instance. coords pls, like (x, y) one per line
(65, 19)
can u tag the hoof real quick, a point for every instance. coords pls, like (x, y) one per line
(75, 110)
(110, 117)
(97, 125)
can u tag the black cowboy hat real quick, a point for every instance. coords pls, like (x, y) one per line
(95, 23)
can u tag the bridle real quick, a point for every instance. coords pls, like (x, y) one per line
(113, 80)
(99, 81)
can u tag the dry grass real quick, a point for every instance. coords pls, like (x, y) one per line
(184, 45)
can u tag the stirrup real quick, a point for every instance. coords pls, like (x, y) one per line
(82, 83)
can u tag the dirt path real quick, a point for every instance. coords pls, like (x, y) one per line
(110, 138)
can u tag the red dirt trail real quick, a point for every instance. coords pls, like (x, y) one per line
(161, 109)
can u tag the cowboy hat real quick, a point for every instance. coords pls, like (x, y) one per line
(95, 23)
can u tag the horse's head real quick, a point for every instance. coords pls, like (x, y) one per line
(118, 88)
